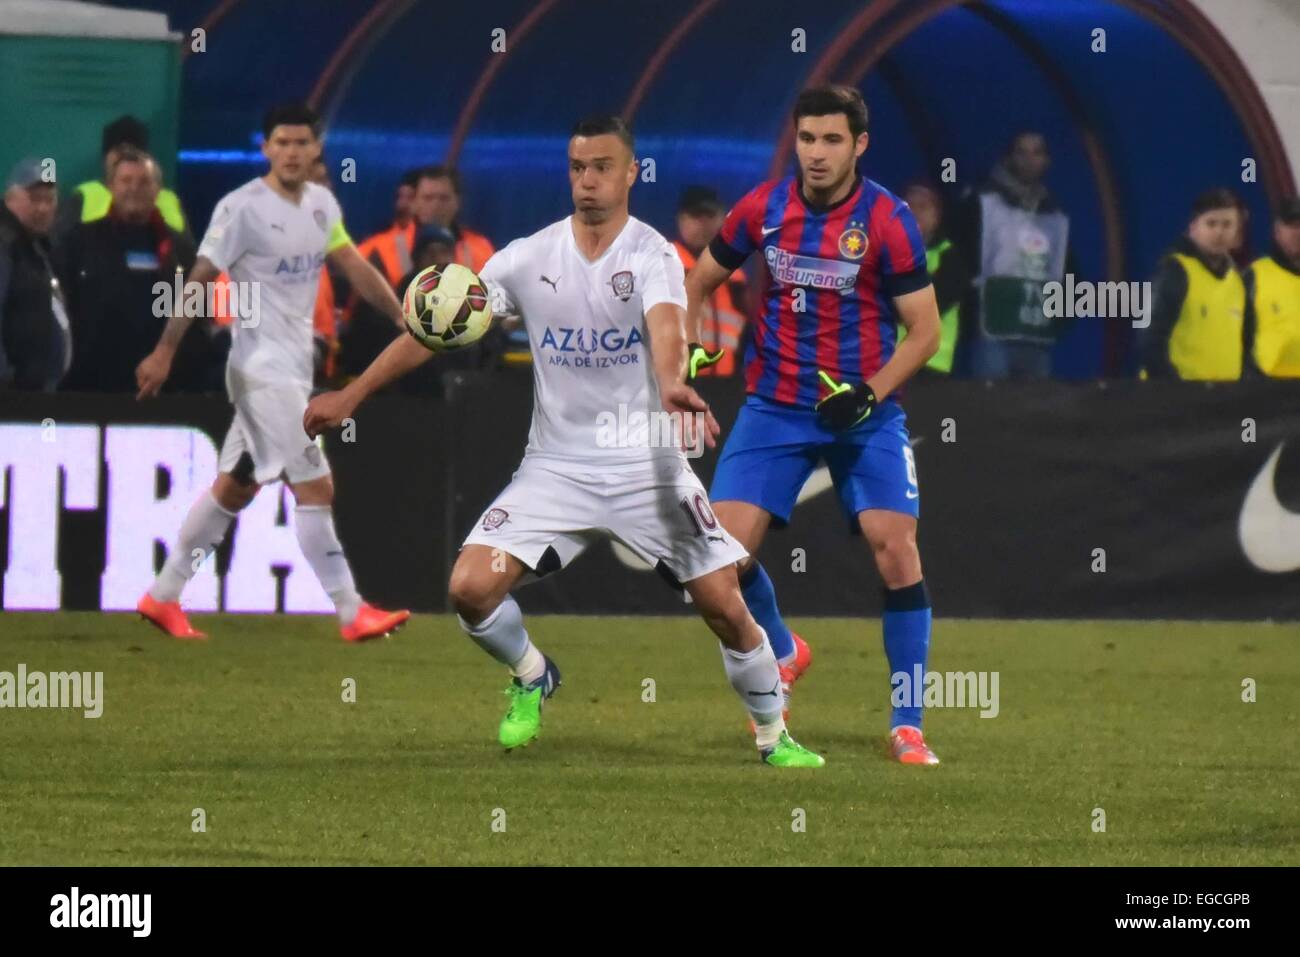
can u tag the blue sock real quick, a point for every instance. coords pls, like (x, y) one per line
(759, 595)
(906, 625)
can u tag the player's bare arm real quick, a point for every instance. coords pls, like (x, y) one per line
(329, 409)
(701, 282)
(152, 372)
(368, 281)
(919, 313)
(666, 324)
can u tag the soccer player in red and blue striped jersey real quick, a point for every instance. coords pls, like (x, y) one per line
(846, 266)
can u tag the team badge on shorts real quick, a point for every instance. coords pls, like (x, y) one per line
(319, 216)
(853, 243)
(494, 519)
(622, 283)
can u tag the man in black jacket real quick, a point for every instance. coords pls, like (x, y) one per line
(111, 267)
(35, 342)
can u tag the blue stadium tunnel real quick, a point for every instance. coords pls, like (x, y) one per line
(1136, 127)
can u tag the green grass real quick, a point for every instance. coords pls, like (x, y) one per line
(1144, 720)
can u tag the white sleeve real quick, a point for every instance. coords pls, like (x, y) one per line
(664, 278)
(497, 276)
(224, 242)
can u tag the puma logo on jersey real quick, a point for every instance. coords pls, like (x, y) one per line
(554, 283)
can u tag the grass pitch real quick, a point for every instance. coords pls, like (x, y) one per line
(1143, 720)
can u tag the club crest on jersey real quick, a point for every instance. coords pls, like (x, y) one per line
(622, 284)
(494, 519)
(853, 243)
(319, 216)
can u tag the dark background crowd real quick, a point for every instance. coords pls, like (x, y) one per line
(80, 268)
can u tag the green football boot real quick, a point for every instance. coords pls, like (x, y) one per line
(523, 720)
(789, 753)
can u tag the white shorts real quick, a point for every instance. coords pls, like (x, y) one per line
(549, 514)
(268, 428)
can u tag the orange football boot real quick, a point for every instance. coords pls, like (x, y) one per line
(167, 616)
(372, 622)
(909, 747)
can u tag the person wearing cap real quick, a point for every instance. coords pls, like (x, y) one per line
(35, 337)
(1272, 322)
(110, 268)
(700, 214)
(91, 200)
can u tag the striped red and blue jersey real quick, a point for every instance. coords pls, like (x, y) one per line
(849, 261)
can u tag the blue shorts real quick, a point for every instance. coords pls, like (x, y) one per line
(773, 448)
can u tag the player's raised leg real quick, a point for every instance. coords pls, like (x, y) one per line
(204, 528)
(313, 518)
(481, 581)
(751, 666)
(905, 621)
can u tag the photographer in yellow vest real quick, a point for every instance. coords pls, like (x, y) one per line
(1199, 299)
(1272, 324)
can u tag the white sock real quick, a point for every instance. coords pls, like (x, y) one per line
(502, 635)
(314, 525)
(204, 527)
(757, 681)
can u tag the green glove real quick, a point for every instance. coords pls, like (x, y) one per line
(700, 358)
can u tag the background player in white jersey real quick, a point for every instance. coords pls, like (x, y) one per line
(273, 235)
(603, 300)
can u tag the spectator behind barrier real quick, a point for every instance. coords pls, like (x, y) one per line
(700, 214)
(1199, 299)
(389, 250)
(369, 331)
(110, 268)
(948, 271)
(437, 201)
(1019, 237)
(35, 338)
(1272, 322)
(91, 200)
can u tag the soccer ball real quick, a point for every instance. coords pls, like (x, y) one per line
(447, 307)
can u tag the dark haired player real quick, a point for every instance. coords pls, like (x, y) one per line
(847, 266)
(276, 232)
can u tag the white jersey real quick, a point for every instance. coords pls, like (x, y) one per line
(259, 237)
(595, 397)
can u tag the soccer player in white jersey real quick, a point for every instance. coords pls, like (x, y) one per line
(602, 297)
(276, 232)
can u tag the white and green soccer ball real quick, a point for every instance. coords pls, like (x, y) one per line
(447, 307)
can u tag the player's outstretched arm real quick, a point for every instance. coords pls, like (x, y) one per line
(329, 409)
(919, 313)
(701, 282)
(666, 325)
(154, 368)
(368, 281)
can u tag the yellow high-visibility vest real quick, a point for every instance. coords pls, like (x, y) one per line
(1206, 340)
(941, 361)
(1277, 319)
(96, 200)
